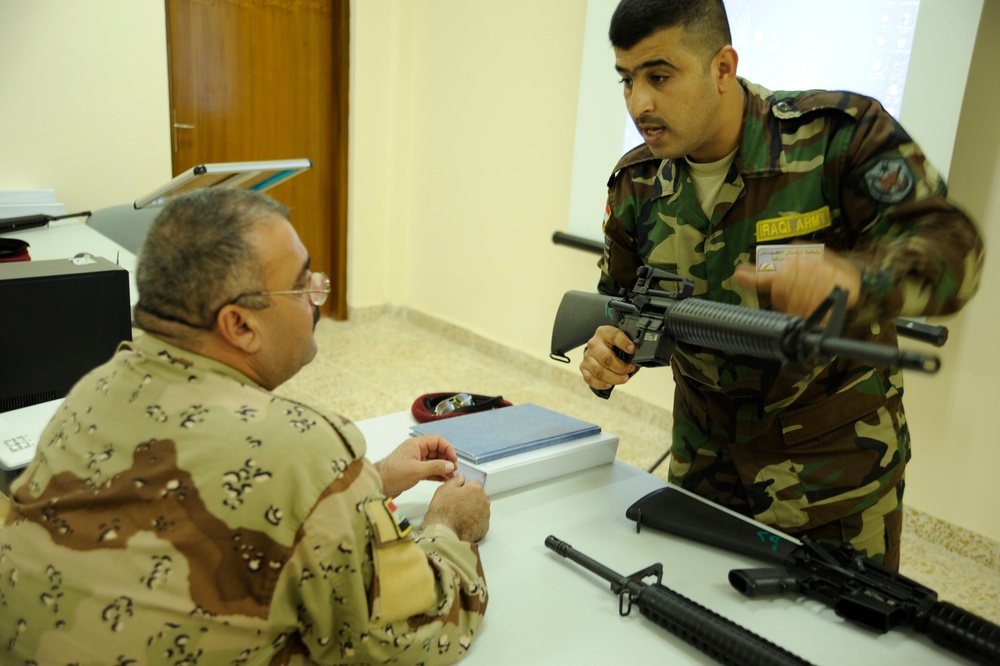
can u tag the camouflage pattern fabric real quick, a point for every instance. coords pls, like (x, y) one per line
(177, 513)
(822, 450)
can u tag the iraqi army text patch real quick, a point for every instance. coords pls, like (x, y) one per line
(796, 224)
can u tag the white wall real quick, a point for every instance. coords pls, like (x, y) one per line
(462, 133)
(84, 99)
(953, 475)
(476, 102)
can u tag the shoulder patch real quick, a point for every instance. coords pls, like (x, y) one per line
(403, 526)
(389, 522)
(889, 180)
(796, 104)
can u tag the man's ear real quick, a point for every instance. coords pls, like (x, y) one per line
(238, 326)
(726, 61)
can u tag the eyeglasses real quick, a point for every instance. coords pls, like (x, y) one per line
(456, 401)
(318, 290)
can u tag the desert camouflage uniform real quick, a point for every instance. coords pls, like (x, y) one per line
(177, 513)
(824, 451)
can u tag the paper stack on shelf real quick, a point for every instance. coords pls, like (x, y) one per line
(18, 203)
(514, 446)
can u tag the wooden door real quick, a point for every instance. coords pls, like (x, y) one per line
(268, 79)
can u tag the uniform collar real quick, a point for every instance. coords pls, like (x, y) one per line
(153, 347)
(762, 153)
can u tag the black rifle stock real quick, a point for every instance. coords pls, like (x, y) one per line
(857, 588)
(655, 320)
(719, 638)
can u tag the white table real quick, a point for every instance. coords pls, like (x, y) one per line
(545, 609)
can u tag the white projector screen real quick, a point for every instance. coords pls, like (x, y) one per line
(882, 48)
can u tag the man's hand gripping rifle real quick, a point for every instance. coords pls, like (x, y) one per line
(655, 319)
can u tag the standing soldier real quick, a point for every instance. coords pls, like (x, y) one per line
(771, 200)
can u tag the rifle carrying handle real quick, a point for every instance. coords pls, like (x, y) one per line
(964, 633)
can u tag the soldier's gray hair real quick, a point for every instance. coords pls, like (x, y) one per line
(198, 254)
(704, 21)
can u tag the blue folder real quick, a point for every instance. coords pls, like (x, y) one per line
(484, 436)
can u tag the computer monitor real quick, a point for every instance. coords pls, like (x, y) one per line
(62, 318)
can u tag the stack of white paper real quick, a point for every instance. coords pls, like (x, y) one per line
(18, 203)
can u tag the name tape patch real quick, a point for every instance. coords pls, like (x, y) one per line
(796, 224)
(769, 257)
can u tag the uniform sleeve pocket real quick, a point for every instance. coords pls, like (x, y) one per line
(403, 583)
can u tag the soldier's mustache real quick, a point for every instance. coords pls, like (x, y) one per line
(650, 119)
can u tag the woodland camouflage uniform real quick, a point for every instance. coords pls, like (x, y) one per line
(177, 513)
(820, 451)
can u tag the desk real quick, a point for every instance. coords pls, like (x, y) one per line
(544, 609)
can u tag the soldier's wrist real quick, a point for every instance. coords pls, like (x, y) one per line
(435, 528)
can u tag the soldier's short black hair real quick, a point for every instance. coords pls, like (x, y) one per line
(705, 22)
(199, 254)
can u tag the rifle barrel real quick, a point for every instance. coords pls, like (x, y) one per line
(962, 632)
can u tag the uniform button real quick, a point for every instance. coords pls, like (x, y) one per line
(784, 106)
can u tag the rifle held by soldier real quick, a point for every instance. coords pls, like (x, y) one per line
(719, 638)
(857, 588)
(655, 319)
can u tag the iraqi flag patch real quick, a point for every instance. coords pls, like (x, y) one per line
(889, 180)
(403, 526)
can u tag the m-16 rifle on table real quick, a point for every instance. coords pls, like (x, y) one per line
(712, 634)
(859, 589)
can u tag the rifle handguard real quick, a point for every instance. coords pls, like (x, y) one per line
(655, 320)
